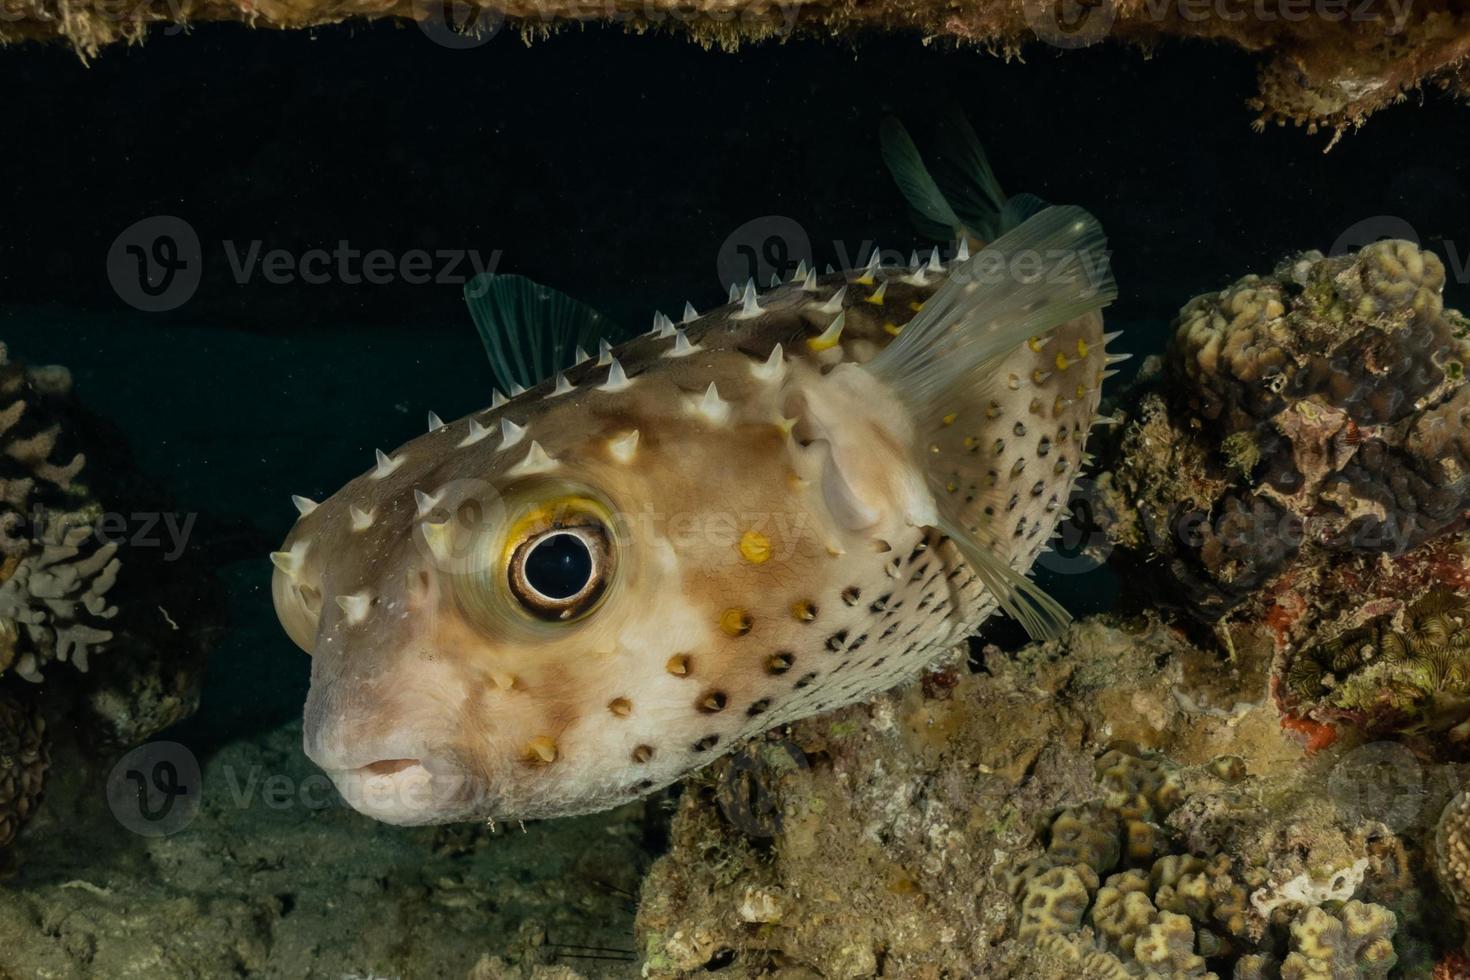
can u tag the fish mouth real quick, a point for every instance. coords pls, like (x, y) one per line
(404, 791)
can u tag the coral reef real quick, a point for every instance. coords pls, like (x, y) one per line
(1319, 66)
(1117, 803)
(23, 760)
(87, 642)
(56, 574)
(1396, 674)
(1452, 854)
(1298, 461)
(1298, 457)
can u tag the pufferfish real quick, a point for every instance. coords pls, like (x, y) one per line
(593, 587)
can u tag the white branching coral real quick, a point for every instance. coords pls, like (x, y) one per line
(55, 575)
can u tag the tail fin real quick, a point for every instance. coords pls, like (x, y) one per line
(961, 197)
(1050, 270)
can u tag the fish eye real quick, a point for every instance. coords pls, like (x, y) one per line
(560, 573)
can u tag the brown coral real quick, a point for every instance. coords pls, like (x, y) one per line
(23, 761)
(1452, 854)
(1317, 416)
(1354, 944)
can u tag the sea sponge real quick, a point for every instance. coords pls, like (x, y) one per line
(1354, 944)
(23, 761)
(1314, 416)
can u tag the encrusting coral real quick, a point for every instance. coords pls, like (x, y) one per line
(23, 761)
(1452, 855)
(1115, 804)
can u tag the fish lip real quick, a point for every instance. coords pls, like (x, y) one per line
(401, 784)
(405, 792)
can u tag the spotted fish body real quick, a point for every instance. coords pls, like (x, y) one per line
(787, 530)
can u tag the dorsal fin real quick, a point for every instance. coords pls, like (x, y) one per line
(531, 331)
(928, 209)
(959, 196)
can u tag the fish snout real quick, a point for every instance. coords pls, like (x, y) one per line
(397, 780)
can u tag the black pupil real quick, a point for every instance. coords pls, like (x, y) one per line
(559, 566)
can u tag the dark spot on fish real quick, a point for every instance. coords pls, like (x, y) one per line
(879, 604)
(759, 707)
(851, 595)
(780, 663)
(706, 743)
(835, 641)
(712, 702)
(888, 632)
(919, 550)
(805, 681)
(643, 753)
(1011, 504)
(1019, 429)
(1044, 446)
(999, 447)
(1038, 488)
(804, 610)
(858, 643)
(642, 784)
(879, 662)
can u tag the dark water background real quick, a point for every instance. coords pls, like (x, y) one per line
(607, 165)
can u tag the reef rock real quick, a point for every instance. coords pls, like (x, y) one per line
(23, 760)
(1118, 803)
(1324, 65)
(1300, 459)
